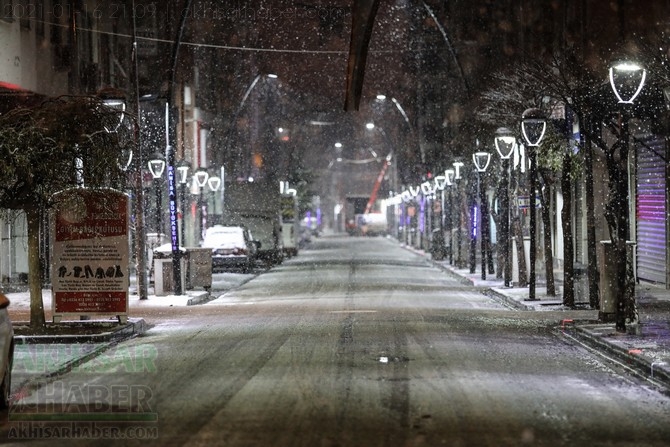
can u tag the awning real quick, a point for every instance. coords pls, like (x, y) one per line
(13, 96)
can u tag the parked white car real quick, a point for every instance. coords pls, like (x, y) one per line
(232, 248)
(7, 352)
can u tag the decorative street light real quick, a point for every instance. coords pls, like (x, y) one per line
(415, 141)
(200, 178)
(627, 79)
(481, 161)
(214, 183)
(533, 127)
(505, 143)
(119, 105)
(157, 167)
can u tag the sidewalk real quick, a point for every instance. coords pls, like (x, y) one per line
(45, 357)
(19, 308)
(107, 328)
(645, 353)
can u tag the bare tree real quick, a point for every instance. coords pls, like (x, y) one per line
(566, 81)
(64, 142)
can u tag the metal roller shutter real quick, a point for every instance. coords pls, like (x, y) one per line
(651, 213)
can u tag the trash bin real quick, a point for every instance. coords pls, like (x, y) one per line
(163, 270)
(155, 241)
(581, 283)
(199, 268)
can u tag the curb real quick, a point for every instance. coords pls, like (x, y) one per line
(132, 328)
(446, 268)
(655, 372)
(511, 302)
(199, 298)
(102, 342)
(462, 279)
(658, 372)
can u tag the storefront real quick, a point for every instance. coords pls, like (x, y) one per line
(651, 216)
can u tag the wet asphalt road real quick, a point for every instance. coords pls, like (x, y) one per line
(356, 342)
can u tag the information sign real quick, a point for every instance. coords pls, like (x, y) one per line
(90, 253)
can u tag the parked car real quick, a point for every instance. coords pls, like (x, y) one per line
(7, 352)
(232, 247)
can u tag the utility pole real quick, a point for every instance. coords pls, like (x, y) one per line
(170, 153)
(140, 230)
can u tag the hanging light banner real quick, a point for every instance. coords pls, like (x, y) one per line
(172, 194)
(90, 253)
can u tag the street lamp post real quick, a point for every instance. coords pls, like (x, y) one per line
(627, 80)
(533, 127)
(116, 100)
(505, 143)
(406, 199)
(236, 114)
(459, 232)
(156, 167)
(412, 132)
(414, 219)
(170, 115)
(471, 198)
(482, 160)
(428, 195)
(200, 178)
(140, 229)
(439, 249)
(449, 180)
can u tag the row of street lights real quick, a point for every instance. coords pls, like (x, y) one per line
(199, 180)
(533, 127)
(627, 80)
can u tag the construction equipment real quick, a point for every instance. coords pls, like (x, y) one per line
(378, 182)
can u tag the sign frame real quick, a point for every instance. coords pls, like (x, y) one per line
(90, 253)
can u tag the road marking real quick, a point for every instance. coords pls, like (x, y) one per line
(362, 311)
